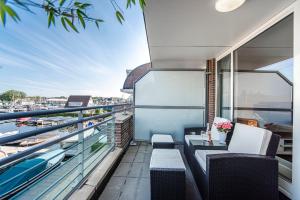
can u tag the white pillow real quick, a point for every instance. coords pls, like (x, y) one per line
(249, 139)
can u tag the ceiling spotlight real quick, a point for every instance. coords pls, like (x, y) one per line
(228, 5)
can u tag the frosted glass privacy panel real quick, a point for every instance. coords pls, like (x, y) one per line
(262, 90)
(171, 88)
(166, 121)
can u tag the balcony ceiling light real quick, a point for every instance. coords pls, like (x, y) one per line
(228, 5)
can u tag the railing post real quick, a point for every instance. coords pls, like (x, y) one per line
(81, 143)
(110, 131)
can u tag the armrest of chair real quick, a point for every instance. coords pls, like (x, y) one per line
(241, 173)
(197, 130)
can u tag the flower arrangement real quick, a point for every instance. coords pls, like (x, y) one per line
(224, 127)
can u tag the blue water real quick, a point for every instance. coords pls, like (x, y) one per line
(11, 126)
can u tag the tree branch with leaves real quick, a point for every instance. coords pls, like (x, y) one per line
(70, 13)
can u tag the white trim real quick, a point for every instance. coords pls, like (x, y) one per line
(284, 13)
(285, 187)
(231, 85)
(296, 125)
(216, 89)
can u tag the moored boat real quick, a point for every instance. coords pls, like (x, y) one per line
(18, 176)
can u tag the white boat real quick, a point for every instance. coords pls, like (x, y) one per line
(53, 157)
(3, 154)
(9, 133)
(68, 142)
(28, 171)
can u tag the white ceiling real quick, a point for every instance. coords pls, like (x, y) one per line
(185, 33)
(271, 46)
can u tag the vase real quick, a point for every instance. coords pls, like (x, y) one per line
(222, 137)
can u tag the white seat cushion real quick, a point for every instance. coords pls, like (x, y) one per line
(166, 159)
(192, 137)
(214, 130)
(161, 138)
(201, 156)
(249, 139)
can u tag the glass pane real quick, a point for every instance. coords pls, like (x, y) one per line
(168, 101)
(263, 87)
(224, 92)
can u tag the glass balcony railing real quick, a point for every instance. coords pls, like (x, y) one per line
(56, 167)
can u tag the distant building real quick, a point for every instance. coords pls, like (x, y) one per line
(79, 101)
(26, 102)
(57, 101)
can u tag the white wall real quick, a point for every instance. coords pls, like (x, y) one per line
(168, 101)
(171, 121)
(296, 136)
(171, 88)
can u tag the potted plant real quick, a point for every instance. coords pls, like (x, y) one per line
(223, 128)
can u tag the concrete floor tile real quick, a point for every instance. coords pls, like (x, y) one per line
(122, 169)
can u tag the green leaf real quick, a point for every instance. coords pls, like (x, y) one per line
(50, 18)
(80, 18)
(82, 13)
(97, 21)
(53, 20)
(81, 5)
(97, 24)
(128, 4)
(2, 16)
(77, 4)
(142, 4)
(61, 2)
(11, 13)
(85, 5)
(64, 23)
(50, 3)
(23, 6)
(120, 17)
(71, 25)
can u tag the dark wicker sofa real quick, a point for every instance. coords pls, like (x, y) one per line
(237, 174)
(197, 131)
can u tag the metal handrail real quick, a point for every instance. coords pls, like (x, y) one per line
(11, 138)
(43, 145)
(106, 117)
(16, 115)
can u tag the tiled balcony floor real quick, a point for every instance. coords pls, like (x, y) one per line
(131, 180)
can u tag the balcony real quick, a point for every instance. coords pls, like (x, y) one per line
(199, 71)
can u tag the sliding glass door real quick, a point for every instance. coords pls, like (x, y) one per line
(263, 87)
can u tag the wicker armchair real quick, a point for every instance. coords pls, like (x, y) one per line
(248, 170)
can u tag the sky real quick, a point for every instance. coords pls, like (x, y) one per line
(285, 67)
(54, 62)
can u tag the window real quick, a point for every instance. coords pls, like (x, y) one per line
(263, 87)
(224, 89)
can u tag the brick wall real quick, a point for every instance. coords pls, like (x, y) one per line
(123, 129)
(211, 89)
